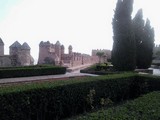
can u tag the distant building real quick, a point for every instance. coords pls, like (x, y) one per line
(54, 54)
(19, 55)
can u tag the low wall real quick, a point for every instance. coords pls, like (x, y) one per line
(5, 61)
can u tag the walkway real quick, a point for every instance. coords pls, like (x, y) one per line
(74, 73)
(71, 69)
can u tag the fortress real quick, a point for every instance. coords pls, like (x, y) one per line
(19, 55)
(54, 53)
(49, 53)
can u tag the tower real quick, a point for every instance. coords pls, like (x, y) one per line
(25, 56)
(14, 51)
(1, 47)
(70, 49)
(58, 49)
(62, 49)
(43, 51)
(15, 48)
(46, 53)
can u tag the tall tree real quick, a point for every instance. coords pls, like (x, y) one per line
(123, 52)
(144, 36)
(147, 46)
(138, 25)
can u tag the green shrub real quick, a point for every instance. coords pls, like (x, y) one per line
(66, 98)
(146, 107)
(146, 83)
(31, 71)
(100, 69)
(61, 99)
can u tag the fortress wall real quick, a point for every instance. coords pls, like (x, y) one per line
(56, 52)
(77, 63)
(43, 53)
(5, 61)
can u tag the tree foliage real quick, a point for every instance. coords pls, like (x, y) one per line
(138, 24)
(133, 40)
(100, 55)
(123, 52)
(144, 37)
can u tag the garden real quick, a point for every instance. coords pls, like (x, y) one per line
(88, 97)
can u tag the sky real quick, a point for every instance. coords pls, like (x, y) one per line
(84, 24)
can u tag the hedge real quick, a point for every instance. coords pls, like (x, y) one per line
(30, 66)
(66, 98)
(31, 71)
(146, 107)
(101, 69)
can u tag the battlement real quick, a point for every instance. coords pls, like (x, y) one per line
(44, 44)
(54, 54)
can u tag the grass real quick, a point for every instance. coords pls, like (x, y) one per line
(146, 107)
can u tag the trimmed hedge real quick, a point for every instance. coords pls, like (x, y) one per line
(101, 69)
(30, 66)
(62, 99)
(99, 72)
(31, 71)
(146, 107)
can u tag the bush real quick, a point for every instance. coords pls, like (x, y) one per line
(100, 69)
(65, 98)
(146, 107)
(31, 71)
(61, 99)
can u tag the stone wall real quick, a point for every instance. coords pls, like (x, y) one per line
(56, 52)
(5, 61)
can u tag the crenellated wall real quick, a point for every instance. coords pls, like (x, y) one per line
(56, 53)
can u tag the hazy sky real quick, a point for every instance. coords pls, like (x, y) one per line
(85, 24)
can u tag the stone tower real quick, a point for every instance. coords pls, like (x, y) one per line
(25, 56)
(1, 47)
(15, 48)
(58, 49)
(20, 54)
(70, 49)
(62, 49)
(14, 51)
(46, 52)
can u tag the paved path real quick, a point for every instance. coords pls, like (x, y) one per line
(71, 69)
(74, 73)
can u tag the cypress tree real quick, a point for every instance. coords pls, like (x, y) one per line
(144, 37)
(138, 25)
(123, 52)
(147, 46)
